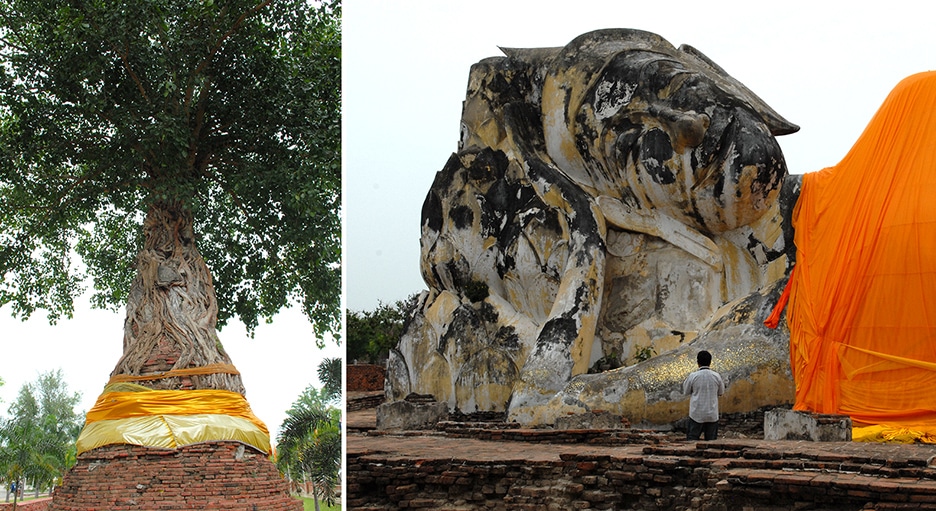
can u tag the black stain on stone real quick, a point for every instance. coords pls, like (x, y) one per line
(557, 331)
(432, 211)
(488, 165)
(655, 150)
(462, 216)
(507, 338)
(789, 194)
(432, 214)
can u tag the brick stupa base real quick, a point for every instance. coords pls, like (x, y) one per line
(213, 475)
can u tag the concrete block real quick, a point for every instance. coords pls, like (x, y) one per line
(405, 415)
(785, 424)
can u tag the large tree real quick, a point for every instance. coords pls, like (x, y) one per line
(132, 130)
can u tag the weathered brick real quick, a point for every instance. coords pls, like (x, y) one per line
(206, 476)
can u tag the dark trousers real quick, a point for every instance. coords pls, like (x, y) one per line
(697, 429)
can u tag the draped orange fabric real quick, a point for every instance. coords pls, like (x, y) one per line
(862, 310)
(773, 320)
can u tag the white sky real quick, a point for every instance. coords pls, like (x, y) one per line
(826, 66)
(276, 365)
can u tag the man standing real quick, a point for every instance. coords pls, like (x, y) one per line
(704, 386)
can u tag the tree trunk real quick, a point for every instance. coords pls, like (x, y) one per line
(315, 495)
(172, 311)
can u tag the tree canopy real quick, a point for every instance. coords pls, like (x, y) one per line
(228, 109)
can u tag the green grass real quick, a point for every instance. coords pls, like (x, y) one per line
(309, 505)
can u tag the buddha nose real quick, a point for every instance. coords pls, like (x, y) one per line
(688, 128)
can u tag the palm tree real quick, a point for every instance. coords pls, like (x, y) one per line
(329, 374)
(309, 443)
(27, 454)
(309, 450)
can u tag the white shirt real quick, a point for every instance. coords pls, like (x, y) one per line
(704, 386)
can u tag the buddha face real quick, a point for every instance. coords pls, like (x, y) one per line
(653, 130)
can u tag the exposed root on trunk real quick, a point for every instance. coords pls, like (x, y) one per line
(172, 311)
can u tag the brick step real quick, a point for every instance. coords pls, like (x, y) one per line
(463, 427)
(827, 487)
(357, 401)
(805, 462)
(657, 477)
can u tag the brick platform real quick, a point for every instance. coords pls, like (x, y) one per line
(501, 466)
(213, 475)
(436, 472)
(363, 400)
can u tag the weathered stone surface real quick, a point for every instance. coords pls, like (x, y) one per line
(614, 198)
(405, 415)
(797, 425)
(591, 420)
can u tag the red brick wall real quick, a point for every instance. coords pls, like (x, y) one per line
(32, 505)
(365, 377)
(213, 475)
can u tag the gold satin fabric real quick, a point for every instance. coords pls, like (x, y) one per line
(862, 310)
(189, 371)
(171, 418)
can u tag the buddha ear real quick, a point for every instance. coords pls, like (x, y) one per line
(775, 122)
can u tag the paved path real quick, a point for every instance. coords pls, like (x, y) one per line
(471, 466)
(439, 447)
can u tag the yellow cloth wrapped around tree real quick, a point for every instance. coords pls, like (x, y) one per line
(171, 418)
(862, 311)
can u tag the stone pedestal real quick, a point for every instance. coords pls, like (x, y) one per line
(797, 425)
(411, 414)
(219, 476)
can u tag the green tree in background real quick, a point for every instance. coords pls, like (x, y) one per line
(37, 441)
(371, 334)
(309, 444)
(132, 130)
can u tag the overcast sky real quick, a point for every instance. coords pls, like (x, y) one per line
(825, 66)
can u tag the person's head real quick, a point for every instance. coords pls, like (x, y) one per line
(704, 358)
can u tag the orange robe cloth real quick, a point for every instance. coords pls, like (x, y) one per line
(862, 310)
